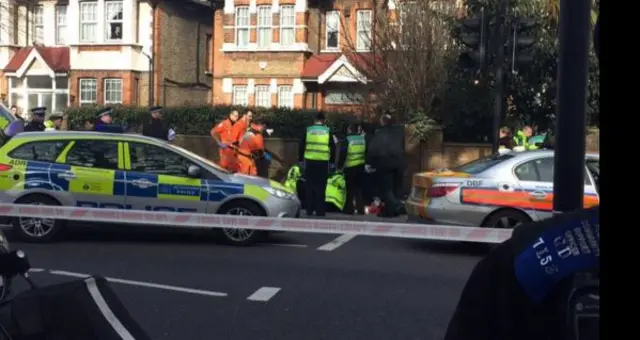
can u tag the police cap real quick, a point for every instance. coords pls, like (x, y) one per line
(39, 111)
(155, 108)
(56, 116)
(104, 112)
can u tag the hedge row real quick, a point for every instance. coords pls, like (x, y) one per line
(286, 123)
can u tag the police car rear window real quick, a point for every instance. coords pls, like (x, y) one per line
(482, 164)
(44, 151)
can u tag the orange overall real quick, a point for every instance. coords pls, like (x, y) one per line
(250, 144)
(228, 136)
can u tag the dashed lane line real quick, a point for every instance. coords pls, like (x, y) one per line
(264, 294)
(339, 241)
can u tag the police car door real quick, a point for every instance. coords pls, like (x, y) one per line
(536, 179)
(157, 180)
(90, 166)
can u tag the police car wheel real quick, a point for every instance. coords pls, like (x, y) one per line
(506, 219)
(237, 236)
(30, 229)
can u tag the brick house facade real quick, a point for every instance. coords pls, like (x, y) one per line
(292, 53)
(132, 52)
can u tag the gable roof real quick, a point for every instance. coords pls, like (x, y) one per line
(56, 58)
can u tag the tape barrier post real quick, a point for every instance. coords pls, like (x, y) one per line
(200, 220)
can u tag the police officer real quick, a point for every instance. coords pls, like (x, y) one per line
(155, 126)
(37, 120)
(316, 151)
(105, 122)
(54, 122)
(521, 138)
(352, 160)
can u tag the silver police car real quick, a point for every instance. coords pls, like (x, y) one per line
(500, 191)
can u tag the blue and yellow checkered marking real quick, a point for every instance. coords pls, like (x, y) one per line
(55, 176)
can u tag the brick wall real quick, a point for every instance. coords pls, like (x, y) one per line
(183, 56)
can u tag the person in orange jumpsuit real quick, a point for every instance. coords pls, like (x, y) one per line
(251, 147)
(243, 124)
(226, 136)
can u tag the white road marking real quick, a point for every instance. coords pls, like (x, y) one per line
(36, 270)
(340, 240)
(264, 294)
(286, 245)
(143, 284)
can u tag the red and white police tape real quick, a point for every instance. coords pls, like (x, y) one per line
(199, 220)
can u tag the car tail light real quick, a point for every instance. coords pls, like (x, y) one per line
(440, 190)
(5, 167)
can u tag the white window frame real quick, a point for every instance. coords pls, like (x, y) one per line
(38, 24)
(61, 24)
(108, 19)
(344, 98)
(107, 93)
(332, 15)
(287, 24)
(87, 7)
(92, 82)
(263, 95)
(242, 25)
(285, 96)
(240, 101)
(264, 30)
(362, 16)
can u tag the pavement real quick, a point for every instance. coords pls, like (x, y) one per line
(187, 285)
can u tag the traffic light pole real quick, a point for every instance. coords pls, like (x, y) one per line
(499, 73)
(568, 179)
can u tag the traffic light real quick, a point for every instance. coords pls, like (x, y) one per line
(473, 34)
(522, 41)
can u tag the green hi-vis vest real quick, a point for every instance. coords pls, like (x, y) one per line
(336, 192)
(293, 175)
(356, 150)
(49, 124)
(317, 148)
(521, 140)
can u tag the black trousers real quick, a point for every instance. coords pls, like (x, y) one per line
(355, 179)
(390, 183)
(316, 174)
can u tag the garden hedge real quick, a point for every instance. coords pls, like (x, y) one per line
(286, 123)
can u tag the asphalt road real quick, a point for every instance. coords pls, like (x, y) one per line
(297, 286)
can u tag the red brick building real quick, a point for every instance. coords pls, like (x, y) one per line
(57, 53)
(293, 53)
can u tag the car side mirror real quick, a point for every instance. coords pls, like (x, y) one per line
(193, 171)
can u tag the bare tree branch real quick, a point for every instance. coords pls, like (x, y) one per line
(406, 64)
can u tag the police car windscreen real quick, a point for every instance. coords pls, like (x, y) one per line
(482, 164)
(198, 157)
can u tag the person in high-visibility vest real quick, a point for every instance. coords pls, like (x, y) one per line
(225, 135)
(521, 138)
(352, 161)
(316, 152)
(54, 122)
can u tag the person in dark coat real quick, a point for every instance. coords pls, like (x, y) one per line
(155, 126)
(386, 154)
(316, 152)
(521, 289)
(37, 120)
(104, 123)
